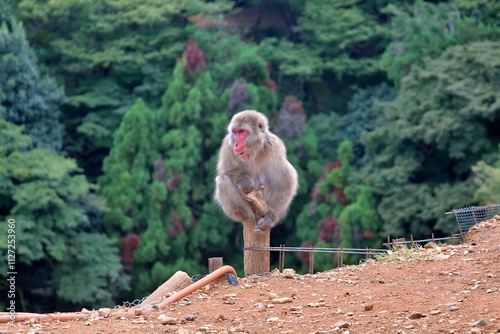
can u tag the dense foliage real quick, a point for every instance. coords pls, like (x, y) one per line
(112, 112)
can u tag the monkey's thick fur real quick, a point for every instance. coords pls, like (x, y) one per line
(265, 164)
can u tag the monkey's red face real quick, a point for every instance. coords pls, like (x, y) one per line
(239, 136)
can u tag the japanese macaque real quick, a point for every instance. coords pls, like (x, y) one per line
(255, 182)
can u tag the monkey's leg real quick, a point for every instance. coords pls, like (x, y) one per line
(233, 202)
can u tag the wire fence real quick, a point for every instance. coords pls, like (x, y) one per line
(466, 217)
(471, 215)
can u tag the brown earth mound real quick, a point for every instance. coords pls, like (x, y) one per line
(433, 289)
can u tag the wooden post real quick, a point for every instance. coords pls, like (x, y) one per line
(311, 261)
(256, 262)
(214, 263)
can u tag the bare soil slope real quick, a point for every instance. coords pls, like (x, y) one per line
(442, 289)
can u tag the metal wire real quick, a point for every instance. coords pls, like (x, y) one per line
(319, 250)
(469, 216)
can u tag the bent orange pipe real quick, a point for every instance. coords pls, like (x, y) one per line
(24, 316)
(198, 284)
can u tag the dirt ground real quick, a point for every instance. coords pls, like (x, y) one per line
(441, 289)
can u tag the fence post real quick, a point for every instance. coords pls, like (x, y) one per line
(311, 260)
(282, 258)
(255, 261)
(214, 263)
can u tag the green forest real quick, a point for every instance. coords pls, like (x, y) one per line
(112, 113)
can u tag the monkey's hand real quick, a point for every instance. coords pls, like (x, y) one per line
(245, 184)
(265, 223)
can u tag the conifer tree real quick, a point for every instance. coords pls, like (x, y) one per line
(192, 124)
(134, 188)
(25, 97)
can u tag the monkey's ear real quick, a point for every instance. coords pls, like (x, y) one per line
(260, 125)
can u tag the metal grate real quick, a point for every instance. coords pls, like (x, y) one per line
(468, 216)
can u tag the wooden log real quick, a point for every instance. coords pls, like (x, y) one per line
(256, 262)
(177, 282)
(214, 263)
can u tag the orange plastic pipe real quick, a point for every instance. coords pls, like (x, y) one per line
(198, 284)
(24, 316)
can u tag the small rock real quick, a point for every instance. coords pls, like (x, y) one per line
(434, 312)
(283, 300)
(429, 245)
(166, 320)
(288, 273)
(204, 328)
(104, 312)
(183, 331)
(137, 312)
(140, 320)
(271, 320)
(275, 272)
(229, 296)
(318, 304)
(453, 308)
(273, 295)
(416, 315)
(368, 306)
(477, 323)
(341, 324)
(171, 329)
(190, 317)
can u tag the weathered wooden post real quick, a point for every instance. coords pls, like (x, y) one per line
(256, 261)
(214, 263)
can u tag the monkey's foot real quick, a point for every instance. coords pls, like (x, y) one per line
(263, 224)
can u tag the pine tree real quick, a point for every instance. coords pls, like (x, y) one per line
(362, 112)
(193, 125)
(135, 187)
(26, 98)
